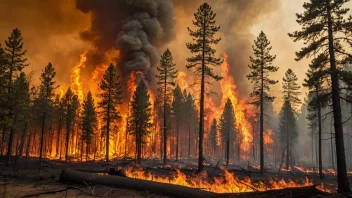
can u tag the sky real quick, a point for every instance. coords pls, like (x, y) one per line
(52, 33)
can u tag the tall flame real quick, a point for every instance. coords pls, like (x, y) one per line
(76, 84)
(242, 110)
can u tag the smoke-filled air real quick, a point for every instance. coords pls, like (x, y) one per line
(175, 98)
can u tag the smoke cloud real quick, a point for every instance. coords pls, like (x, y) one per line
(236, 19)
(136, 27)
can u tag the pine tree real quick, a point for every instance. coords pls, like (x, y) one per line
(3, 97)
(166, 81)
(14, 61)
(110, 98)
(318, 98)
(291, 89)
(325, 29)
(288, 130)
(227, 129)
(203, 60)
(60, 115)
(261, 68)
(70, 102)
(213, 136)
(190, 111)
(291, 95)
(46, 96)
(177, 111)
(20, 108)
(140, 117)
(88, 121)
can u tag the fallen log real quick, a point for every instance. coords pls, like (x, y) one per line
(71, 176)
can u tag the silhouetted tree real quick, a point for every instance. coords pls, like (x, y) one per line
(213, 136)
(88, 121)
(227, 129)
(140, 117)
(177, 111)
(291, 94)
(318, 98)
(288, 130)
(166, 81)
(46, 95)
(21, 102)
(71, 102)
(110, 98)
(260, 75)
(325, 30)
(14, 61)
(203, 59)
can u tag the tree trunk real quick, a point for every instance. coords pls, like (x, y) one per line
(108, 129)
(319, 132)
(177, 135)
(68, 175)
(9, 148)
(165, 125)
(67, 140)
(287, 143)
(41, 141)
(201, 111)
(261, 137)
(343, 184)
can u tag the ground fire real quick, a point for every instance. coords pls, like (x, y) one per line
(176, 98)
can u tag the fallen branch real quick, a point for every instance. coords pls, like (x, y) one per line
(68, 175)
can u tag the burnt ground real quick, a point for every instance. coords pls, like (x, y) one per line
(30, 181)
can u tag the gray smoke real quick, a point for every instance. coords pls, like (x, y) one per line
(138, 28)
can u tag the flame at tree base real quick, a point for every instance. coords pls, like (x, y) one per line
(226, 183)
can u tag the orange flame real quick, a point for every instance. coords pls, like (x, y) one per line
(226, 183)
(242, 110)
(77, 85)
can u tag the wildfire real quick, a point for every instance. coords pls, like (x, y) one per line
(226, 183)
(76, 84)
(242, 110)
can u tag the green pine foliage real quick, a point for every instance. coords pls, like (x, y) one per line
(288, 131)
(227, 125)
(203, 60)
(326, 31)
(140, 117)
(291, 89)
(110, 98)
(261, 68)
(166, 82)
(88, 121)
(71, 104)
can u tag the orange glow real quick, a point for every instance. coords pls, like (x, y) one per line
(76, 84)
(226, 183)
(242, 110)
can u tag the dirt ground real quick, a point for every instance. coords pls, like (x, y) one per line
(26, 180)
(32, 182)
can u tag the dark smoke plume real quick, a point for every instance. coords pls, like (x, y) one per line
(136, 27)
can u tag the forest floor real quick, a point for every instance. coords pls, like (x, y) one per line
(32, 182)
(44, 182)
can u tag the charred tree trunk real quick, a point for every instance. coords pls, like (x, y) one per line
(201, 111)
(343, 184)
(261, 127)
(319, 132)
(42, 141)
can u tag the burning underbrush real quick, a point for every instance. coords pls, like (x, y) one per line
(226, 182)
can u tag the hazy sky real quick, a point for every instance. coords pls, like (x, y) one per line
(51, 33)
